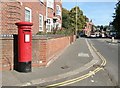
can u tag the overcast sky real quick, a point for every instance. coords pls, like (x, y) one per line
(100, 12)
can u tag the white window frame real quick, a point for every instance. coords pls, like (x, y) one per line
(41, 0)
(50, 4)
(59, 14)
(26, 8)
(49, 24)
(39, 22)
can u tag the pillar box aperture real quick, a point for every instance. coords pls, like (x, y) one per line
(24, 46)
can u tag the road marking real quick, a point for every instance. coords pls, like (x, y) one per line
(91, 73)
(92, 80)
(75, 79)
(103, 59)
(83, 54)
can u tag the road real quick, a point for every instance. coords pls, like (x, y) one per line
(110, 52)
(109, 76)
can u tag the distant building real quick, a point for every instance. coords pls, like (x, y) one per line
(88, 28)
(44, 15)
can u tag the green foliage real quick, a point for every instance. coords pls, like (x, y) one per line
(65, 18)
(116, 22)
(101, 27)
(65, 32)
(41, 33)
(69, 19)
(81, 19)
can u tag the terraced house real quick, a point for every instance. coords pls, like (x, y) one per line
(44, 14)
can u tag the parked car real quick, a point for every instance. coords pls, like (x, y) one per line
(93, 35)
(82, 34)
(97, 35)
(103, 35)
(113, 34)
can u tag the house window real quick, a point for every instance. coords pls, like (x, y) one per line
(41, 0)
(28, 14)
(50, 4)
(40, 22)
(48, 28)
(49, 24)
(58, 10)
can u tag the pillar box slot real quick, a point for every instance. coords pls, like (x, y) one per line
(24, 46)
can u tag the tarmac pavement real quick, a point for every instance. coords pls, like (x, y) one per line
(73, 60)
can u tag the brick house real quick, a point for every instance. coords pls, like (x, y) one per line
(88, 28)
(58, 13)
(44, 14)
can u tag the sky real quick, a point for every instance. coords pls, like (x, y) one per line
(99, 12)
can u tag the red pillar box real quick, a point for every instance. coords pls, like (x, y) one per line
(24, 46)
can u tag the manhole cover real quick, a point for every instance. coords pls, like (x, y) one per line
(65, 67)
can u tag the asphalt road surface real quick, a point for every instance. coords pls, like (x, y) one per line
(110, 52)
(108, 76)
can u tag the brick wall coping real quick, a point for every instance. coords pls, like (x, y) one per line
(39, 37)
(6, 37)
(46, 37)
(34, 37)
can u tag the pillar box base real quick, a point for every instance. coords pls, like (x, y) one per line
(24, 67)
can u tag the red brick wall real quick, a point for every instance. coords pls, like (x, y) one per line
(47, 49)
(7, 53)
(55, 46)
(10, 14)
(43, 50)
(39, 52)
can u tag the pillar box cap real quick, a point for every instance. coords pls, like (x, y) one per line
(23, 23)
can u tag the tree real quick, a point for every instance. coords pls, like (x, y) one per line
(81, 19)
(69, 19)
(65, 18)
(101, 27)
(116, 21)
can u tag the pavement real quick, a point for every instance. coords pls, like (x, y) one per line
(75, 59)
(109, 40)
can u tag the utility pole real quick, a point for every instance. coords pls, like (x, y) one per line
(46, 14)
(76, 18)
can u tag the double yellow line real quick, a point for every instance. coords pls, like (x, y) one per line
(71, 81)
(101, 57)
